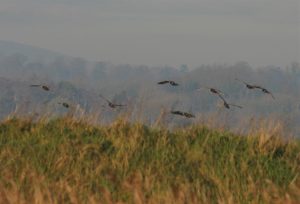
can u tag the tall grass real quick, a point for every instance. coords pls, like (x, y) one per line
(69, 161)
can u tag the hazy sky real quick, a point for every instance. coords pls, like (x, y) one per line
(159, 32)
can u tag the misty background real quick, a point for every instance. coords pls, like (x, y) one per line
(159, 32)
(121, 49)
(79, 82)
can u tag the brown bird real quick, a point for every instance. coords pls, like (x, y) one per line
(111, 104)
(187, 115)
(227, 105)
(64, 104)
(251, 86)
(172, 83)
(44, 87)
(214, 91)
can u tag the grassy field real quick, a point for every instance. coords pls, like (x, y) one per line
(66, 161)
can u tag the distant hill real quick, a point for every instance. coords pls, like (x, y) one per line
(33, 53)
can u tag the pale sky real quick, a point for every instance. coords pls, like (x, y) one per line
(159, 32)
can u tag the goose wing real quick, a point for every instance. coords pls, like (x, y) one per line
(163, 82)
(238, 106)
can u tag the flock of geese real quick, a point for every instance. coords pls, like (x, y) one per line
(219, 94)
(212, 90)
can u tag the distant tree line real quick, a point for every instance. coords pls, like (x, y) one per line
(81, 80)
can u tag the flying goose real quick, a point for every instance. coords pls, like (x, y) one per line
(251, 86)
(44, 87)
(111, 104)
(227, 105)
(214, 91)
(172, 83)
(184, 114)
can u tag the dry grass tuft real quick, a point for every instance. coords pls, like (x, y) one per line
(69, 161)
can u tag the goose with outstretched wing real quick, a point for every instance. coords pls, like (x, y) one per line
(44, 87)
(111, 104)
(172, 83)
(184, 114)
(251, 86)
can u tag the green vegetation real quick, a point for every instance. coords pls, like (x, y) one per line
(67, 161)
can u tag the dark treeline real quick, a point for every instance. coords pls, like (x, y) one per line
(80, 82)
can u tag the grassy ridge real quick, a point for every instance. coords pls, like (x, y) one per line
(64, 161)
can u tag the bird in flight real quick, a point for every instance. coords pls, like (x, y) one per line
(172, 83)
(251, 86)
(185, 114)
(111, 104)
(227, 105)
(214, 91)
(64, 104)
(44, 87)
